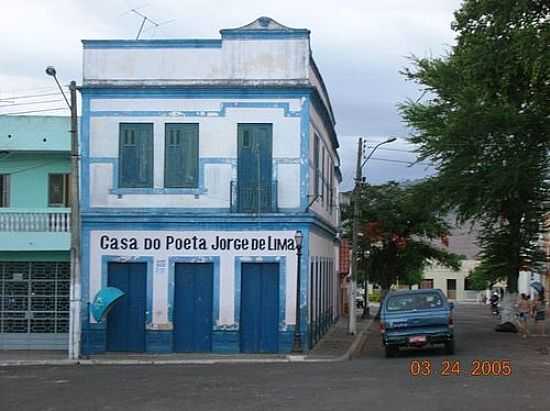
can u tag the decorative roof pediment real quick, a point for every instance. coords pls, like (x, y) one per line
(264, 26)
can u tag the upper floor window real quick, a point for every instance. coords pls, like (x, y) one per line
(331, 187)
(323, 185)
(316, 170)
(58, 190)
(4, 190)
(181, 155)
(136, 155)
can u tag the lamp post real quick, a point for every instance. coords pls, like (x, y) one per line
(352, 326)
(297, 342)
(74, 318)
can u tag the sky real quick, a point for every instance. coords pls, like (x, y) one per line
(359, 46)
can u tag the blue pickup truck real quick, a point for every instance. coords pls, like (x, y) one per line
(416, 318)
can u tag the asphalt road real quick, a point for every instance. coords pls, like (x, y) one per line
(368, 382)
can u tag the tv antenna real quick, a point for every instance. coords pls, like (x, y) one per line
(145, 20)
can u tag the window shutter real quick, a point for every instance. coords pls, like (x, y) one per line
(181, 155)
(136, 155)
(316, 165)
(4, 190)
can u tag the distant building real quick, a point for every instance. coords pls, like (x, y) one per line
(34, 232)
(200, 161)
(455, 284)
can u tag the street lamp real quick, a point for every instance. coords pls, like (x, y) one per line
(297, 342)
(352, 328)
(74, 318)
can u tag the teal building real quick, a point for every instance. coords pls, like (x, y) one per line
(34, 232)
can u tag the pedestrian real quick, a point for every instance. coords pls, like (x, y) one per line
(524, 309)
(539, 314)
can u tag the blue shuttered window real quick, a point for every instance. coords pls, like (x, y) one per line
(316, 166)
(181, 163)
(136, 155)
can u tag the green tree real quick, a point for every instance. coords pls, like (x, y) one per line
(484, 121)
(398, 227)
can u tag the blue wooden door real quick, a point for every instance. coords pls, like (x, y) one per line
(193, 307)
(255, 185)
(126, 320)
(259, 317)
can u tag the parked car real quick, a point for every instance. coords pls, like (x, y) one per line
(416, 318)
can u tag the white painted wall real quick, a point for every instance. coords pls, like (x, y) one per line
(440, 274)
(238, 59)
(161, 267)
(319, 206)
(217, 139)
(322, 246)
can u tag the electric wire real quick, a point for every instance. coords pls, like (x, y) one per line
(29, 103)
(33, 111)
(31, 96)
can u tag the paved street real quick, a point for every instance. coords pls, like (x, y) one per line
(368, 382)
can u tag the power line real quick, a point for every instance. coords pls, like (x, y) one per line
(399, 150)
(30, 102)
(24, 169)
(409, 163)
(37, 89)
(29, 96)
(33, 111)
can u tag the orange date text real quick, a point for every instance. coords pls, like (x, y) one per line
(450, 368)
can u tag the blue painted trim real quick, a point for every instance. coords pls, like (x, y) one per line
(304, 154)
(201, 189)
(203, 222)
(324, 90)
(264, 34)
(172, 92)
(152, 43)
(85, 154)
(196, 113)
(106, 259)
(215, 260)
(281, 261)
(85, 139)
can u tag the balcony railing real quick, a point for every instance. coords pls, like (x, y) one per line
(253, 198)
(26, 220)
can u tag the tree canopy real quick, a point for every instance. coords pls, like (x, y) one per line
(398, 227)
(484, 120)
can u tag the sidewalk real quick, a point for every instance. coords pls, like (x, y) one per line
(336, 345)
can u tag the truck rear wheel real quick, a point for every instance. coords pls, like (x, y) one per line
(391, 350)
(450, 347)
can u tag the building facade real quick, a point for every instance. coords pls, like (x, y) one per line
(34, 232)
(201, 159)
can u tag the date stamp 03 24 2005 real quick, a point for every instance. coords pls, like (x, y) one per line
(449, 368)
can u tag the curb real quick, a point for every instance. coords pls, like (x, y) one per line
(358, 342)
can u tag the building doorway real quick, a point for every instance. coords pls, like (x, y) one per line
(259, 316)
(126, 320)
(255, 191)
(193, 307)
(451, 289)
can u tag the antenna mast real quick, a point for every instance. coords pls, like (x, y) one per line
(145, 19)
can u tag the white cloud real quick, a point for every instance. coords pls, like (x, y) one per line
(359, 45)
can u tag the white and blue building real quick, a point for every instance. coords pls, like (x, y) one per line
(200, 161)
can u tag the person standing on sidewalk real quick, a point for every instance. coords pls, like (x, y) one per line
(539, 314)
(524, 309)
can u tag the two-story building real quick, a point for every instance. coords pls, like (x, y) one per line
(34, 232)
(201, 159)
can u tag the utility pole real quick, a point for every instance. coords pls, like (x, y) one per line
(352, 324)
(75, 291)
(75, 303)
